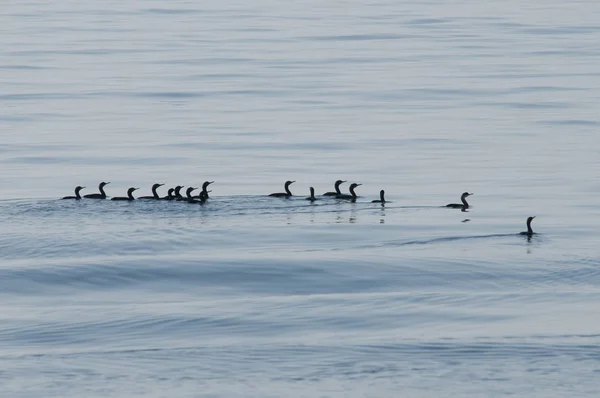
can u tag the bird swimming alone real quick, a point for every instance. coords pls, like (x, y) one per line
(352, 195)
(287, 192)
(154, 193)
(337, 189)
(312, 195)
(529, 231)
(101, 195)
(129, 195)
(381, 197)
(464, 205)
(77, 195)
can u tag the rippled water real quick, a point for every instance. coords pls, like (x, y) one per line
(265, 297)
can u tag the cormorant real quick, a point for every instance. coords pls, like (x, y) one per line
(312, 195)
(204, 187)
(200, 199)
(337, 189)
(204, 192)
(129, 195)
(352, 195)
(188, 194)
(529, 231)
(287, 192)
(170, 194)
(101, 195)
(154, 193)
(381, 197)
(178, 195)
(77, 195)
(464, 205)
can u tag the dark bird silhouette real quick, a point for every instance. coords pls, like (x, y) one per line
(204, 192)
(129, 195)
(337, 189)
(188, 194)
(529, 231)
(154, 193)
(352, 195)
(77, 195)
(170, 194)
(464, 205)
(381, 197)
(204, 188)
(312, 195)
(287, 192)
(178, 195)
(101, 195)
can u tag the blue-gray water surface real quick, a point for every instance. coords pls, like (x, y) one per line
(255, 296)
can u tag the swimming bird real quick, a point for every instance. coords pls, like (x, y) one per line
(381, 197)
(287, 192)
(464, 205)
(529, 231)
(177, 193)
(154, 193)
(352, 195)
(170, 194)
(312, 195)
(188, 194)
(101, 195)
(200, 199)
(129, 195)
(337, 189)
(77, 195)
(204, 191)
(205, 186)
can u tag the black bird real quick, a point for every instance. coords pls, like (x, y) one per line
(202, 198)
(529, 231)
(204, 191)
(352, 195)
(381, 198)
(77, 195)
(337, 189)
(287, 192)
(205, 186)
(170, 194)
(177, 193)
(129, 195)
(101, 195)
(188, 194)
(154, 193)
(464, 205)
(312, 195)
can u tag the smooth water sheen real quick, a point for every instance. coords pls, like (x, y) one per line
(252, 296)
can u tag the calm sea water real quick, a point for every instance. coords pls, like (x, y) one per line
(251, 296)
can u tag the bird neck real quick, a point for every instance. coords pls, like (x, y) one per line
(464, 201)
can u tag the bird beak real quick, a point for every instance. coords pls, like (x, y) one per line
(344, 181)
(107, 183)
(358, 185)
(210, 182)
(292, 182)
(135, 189)
(533, 217)
(160, 185)
(209, 191)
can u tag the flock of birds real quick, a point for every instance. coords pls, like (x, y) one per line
(202, 197)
